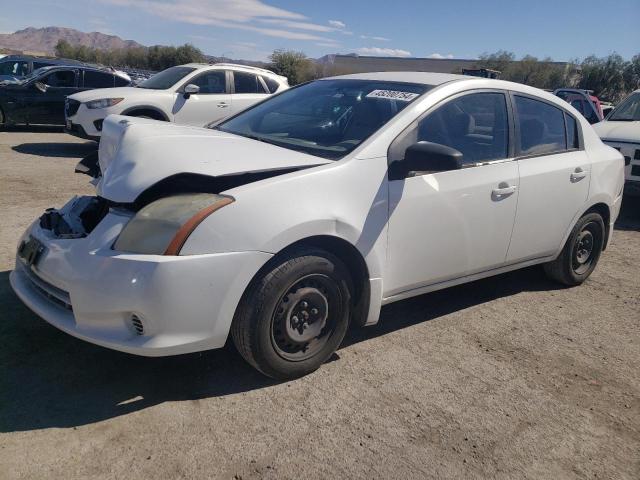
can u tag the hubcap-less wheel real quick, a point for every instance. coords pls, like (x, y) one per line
(304, 318)
(583, 249)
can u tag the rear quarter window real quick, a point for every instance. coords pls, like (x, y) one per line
(120, 82)
(272, 85)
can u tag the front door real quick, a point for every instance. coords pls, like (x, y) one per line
(451, 224)
(48, 107)
(211, 103)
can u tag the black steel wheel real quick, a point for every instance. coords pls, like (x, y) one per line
(295, 314)
(581, 252)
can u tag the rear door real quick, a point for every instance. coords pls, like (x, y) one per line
(554, 177)
(211, 103)
(248, 89)
(93, 79)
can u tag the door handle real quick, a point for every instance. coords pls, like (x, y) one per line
(578, 174)
(503, 191)
(223, 105)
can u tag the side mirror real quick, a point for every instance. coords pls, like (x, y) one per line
(190, 89)
(41, 87)
(425, 157)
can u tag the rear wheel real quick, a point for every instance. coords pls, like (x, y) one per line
(294, 317)
(581, 253)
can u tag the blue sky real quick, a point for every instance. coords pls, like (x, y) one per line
(251, 29)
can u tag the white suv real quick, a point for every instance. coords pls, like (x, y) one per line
(192, 94)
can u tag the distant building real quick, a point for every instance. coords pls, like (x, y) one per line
(353, 63)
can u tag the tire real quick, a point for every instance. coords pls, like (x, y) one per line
(295, 315)
(580, 254)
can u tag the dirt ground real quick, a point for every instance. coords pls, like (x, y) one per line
(509, 377)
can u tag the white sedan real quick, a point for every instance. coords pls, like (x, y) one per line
(192, 94)
(309, 211)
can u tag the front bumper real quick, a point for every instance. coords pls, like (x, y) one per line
(78, 131)
(83, 287)
(87, 122)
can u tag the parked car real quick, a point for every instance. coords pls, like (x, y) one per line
(16, 67)
(193, 94)
(309, 211)
(607, 108)
(39, 98)
(584, 101)
(621, 130)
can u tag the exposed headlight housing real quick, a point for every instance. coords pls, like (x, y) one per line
(103, 103)
(163, 226)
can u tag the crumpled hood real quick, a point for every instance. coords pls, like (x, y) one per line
(116, 92)
(618, 131)
(137, 153)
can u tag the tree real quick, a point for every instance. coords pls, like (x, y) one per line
(155, 58)
(605, 76)
(293, 65)
(499, 60)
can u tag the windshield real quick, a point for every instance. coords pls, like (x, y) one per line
(166, 78)
(627, 111)
(326, 118)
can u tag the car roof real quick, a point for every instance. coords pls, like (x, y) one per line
(232, 66)
(83, 67)
(426, 78)
(51, 60)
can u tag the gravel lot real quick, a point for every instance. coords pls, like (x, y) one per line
(509, 377)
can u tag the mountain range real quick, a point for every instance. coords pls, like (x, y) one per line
(44, 40)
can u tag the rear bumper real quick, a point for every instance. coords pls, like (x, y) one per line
(185, 303)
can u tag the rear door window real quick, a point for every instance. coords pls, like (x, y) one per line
(541, 127)
(97, 79)
(247, 83)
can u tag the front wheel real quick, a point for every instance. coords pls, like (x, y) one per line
(581, 253)
(294, 317)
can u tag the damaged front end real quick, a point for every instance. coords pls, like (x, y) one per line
(76, 219)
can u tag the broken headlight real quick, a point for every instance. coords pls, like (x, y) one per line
(163, 226)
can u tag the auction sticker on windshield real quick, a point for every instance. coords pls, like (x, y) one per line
(393, 95)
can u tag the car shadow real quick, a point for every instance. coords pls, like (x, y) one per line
(50, 379)
(57, 149)
(33, 128)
